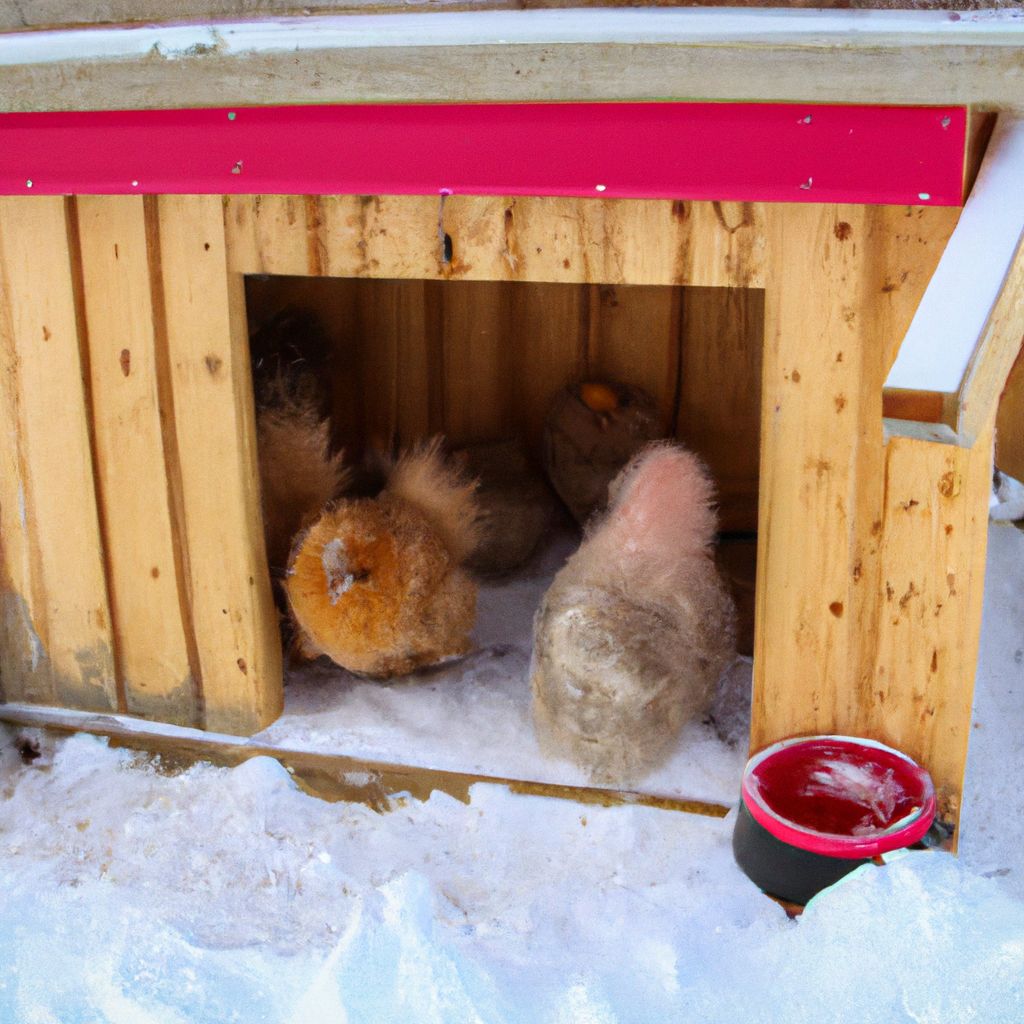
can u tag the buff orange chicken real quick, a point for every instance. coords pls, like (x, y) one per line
(377, 584)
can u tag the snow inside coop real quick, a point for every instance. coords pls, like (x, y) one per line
(489, 366)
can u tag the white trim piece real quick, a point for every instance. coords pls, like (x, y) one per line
(650, 26)
(949, 324)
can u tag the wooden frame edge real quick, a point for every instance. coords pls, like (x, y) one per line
(894, 57)
(328, 776)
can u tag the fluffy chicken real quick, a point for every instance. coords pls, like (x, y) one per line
(298, 474)
(634, 632)
(377, 584)
(299, 471)
(592, 430)
(516, 506)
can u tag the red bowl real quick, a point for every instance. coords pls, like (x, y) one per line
(814, 808)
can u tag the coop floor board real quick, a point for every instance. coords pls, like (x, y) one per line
(467, 721)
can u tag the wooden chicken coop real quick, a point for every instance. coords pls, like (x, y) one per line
(818, 285)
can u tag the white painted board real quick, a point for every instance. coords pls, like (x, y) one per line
(960, 297)
(845, 28)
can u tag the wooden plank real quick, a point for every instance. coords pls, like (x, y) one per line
(269, 234)
(832, 540)
(885, 57)
(999, 345)
(1010, 424)
(149, 619)
(719, 405)
(25, 671)
(913, 406)
(610, 242)
(547, 350)
(58, 644)
(232, 609)
(480, 369)
(908, 245)
(606, 241)
(968, 329)
(634, 337)
(502, 239)
(334, 236)
(394, 362)
(916, 692)
(380, 784)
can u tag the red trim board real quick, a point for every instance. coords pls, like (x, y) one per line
(721, 151)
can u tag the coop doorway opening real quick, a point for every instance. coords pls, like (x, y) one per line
(496, 375)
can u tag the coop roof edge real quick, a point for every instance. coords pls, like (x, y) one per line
(691, 151)
(575, 54)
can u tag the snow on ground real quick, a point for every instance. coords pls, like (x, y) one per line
(992, 819)
(135, 896)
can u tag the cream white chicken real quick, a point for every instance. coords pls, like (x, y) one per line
(635, 630)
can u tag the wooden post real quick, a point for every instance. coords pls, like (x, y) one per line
(871, 555)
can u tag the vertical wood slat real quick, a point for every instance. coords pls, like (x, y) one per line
(916, 691)
(479, 361)
(854, 554)
(546, 350)
(719, 414)
(149, 618)
(394, 354)
(233, 613)
(58, 643)
(428, 356)
(634, 336)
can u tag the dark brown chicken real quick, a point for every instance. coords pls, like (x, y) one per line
(299, 472)
(592, 430)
